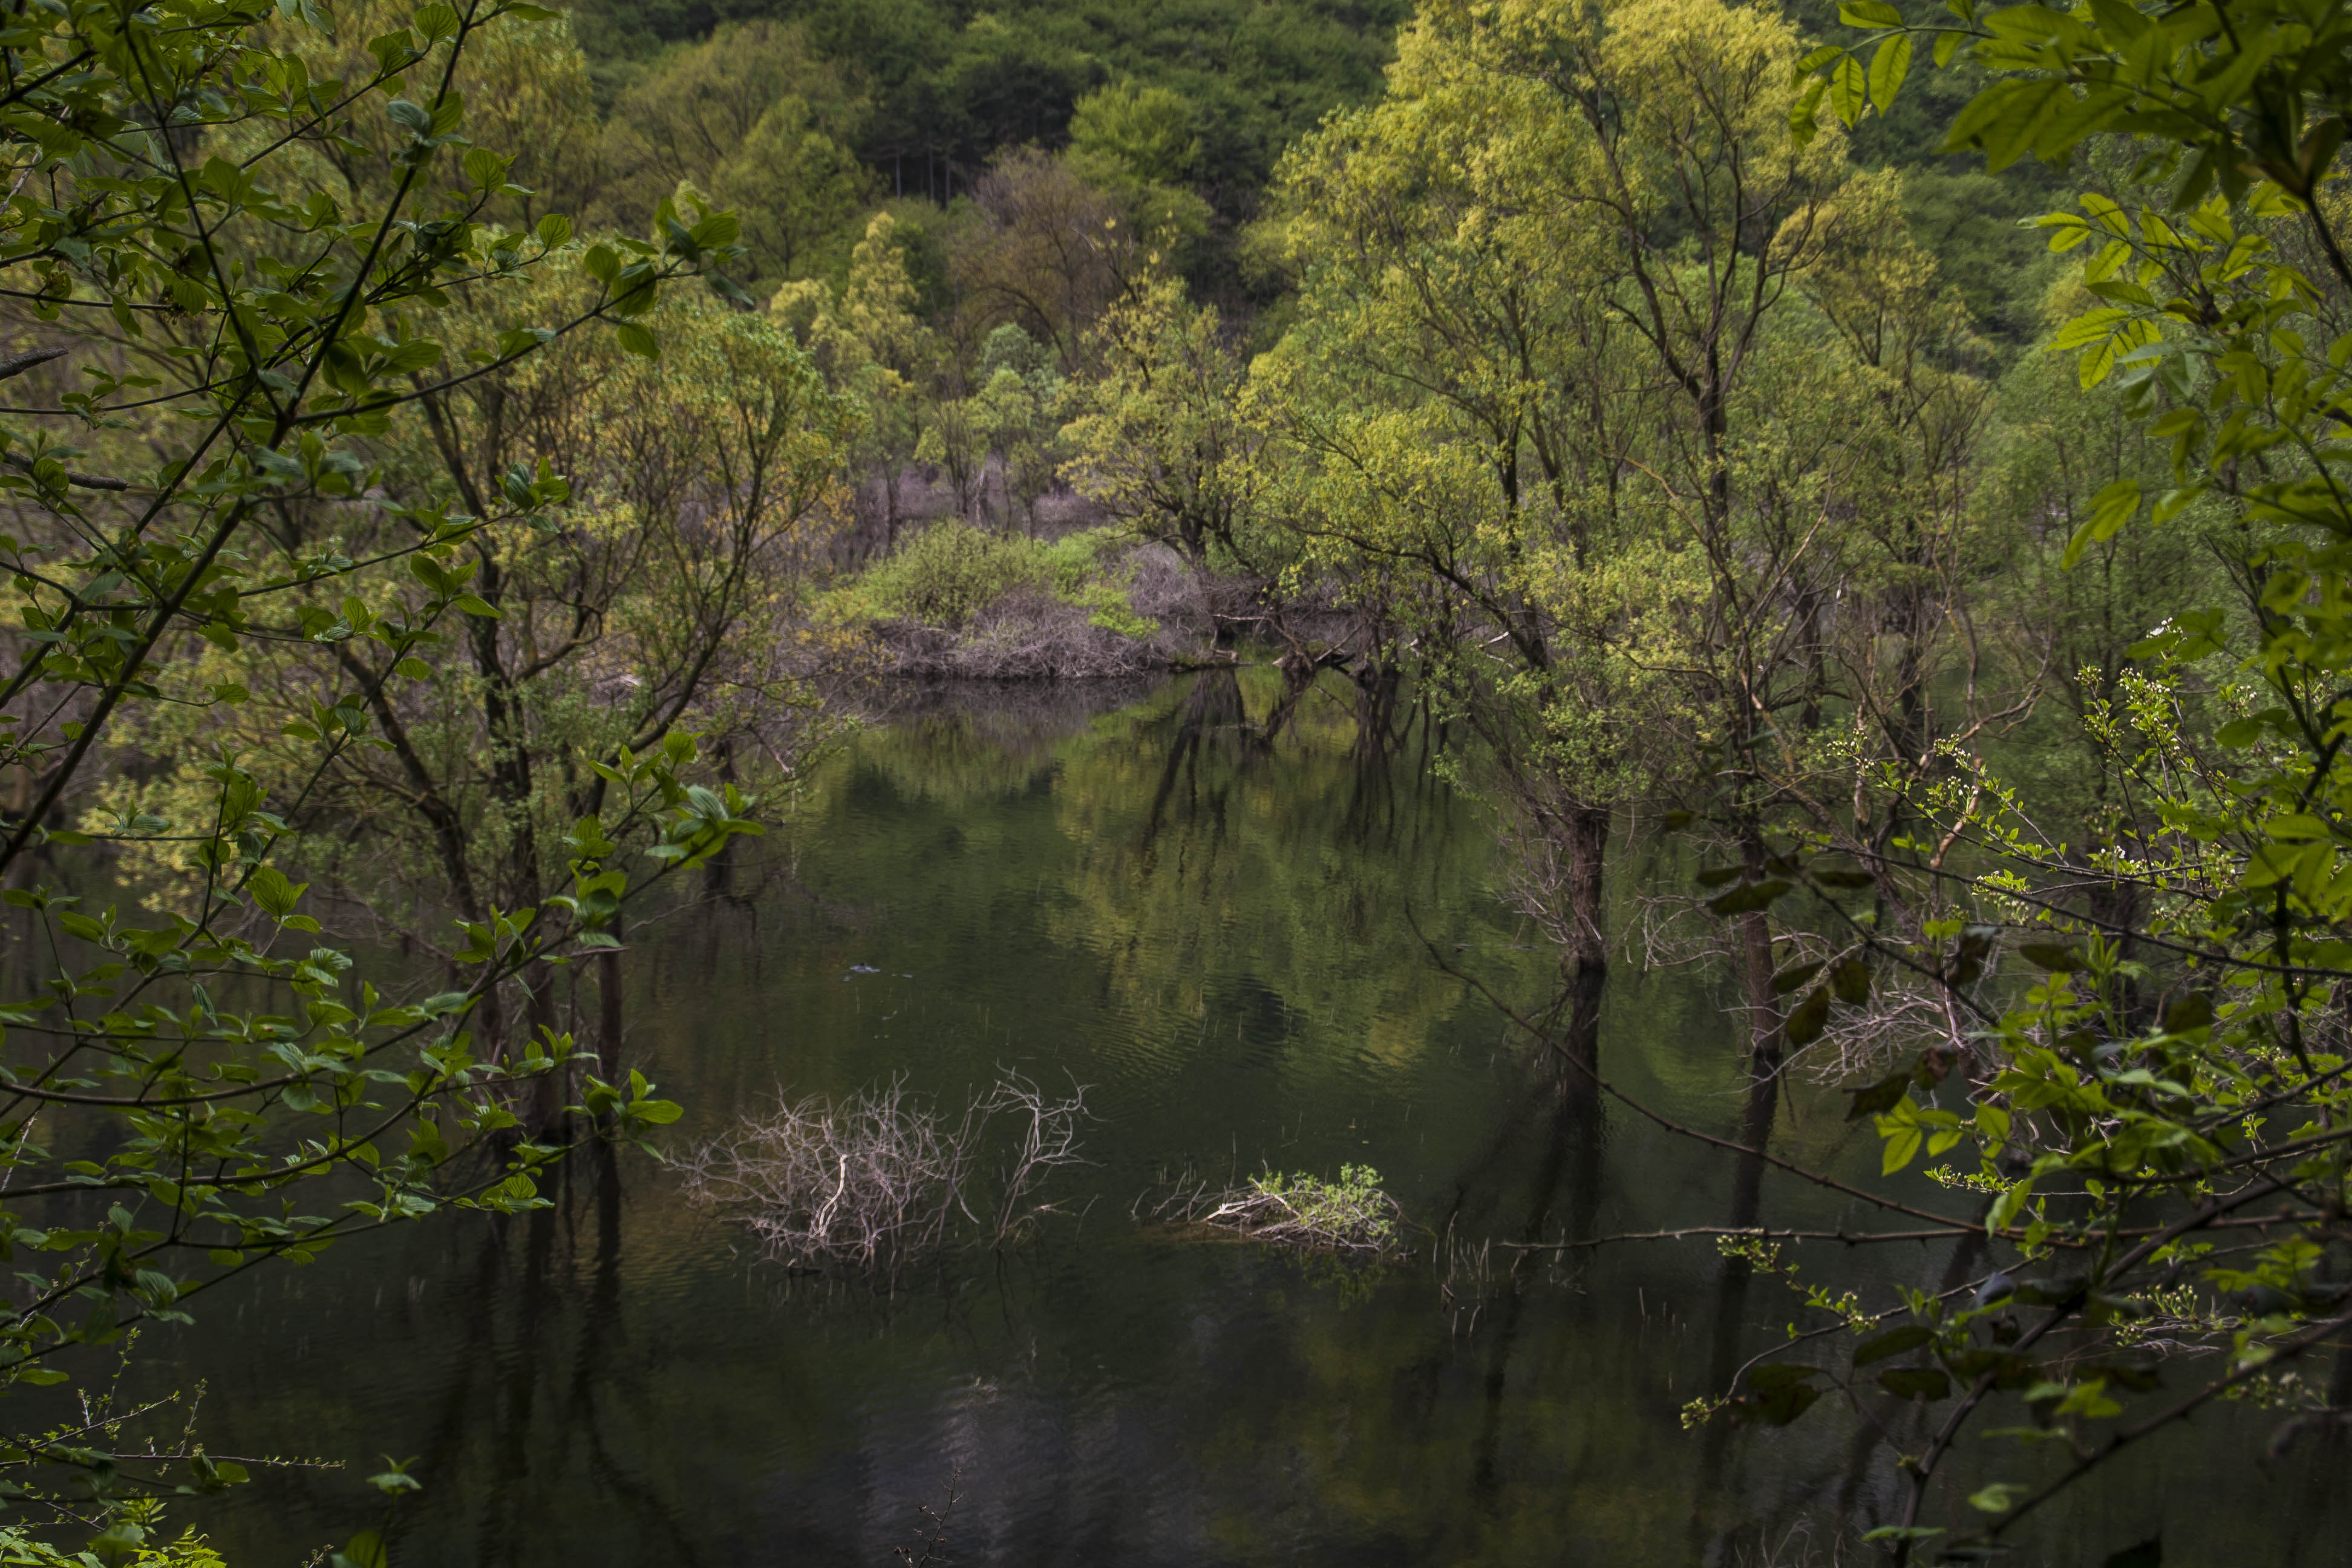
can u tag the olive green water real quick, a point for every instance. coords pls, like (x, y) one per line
(1217, 938)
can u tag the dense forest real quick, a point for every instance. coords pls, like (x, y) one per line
(1852, 496)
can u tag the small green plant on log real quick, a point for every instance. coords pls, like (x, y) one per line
(1351, 1215)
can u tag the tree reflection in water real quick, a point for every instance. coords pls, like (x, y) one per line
(1243, 943)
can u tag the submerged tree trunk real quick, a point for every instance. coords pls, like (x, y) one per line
(1588, 853)
(608, 1013)
(1764, 1037)
(1377, 685)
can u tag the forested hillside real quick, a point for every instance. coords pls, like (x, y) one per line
(924, 93)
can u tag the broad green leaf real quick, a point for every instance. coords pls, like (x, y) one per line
(1894, 1341)
(1849, 90)
(1888, 66)
(1869, 13)
(1805, 1023)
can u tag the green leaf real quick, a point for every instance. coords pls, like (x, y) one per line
(1789, 979)
(1988, 107)
(1888, 67)
(364, 1549)
(1915, 1381)
(417, 354)
(2059, 958)
(1849, 90)
(2194, 1011)
(271, 890)
(396, 1478)
(485, 168)
(1894, 1341)
(2087, 328)
(2113, 507)
(1874, 1097)
(2110, 509)
(1779, 1392)
(1804, 1026)
(1850, 980)
(475, 606)
(1814, 61)
(2105, 214)
(1869, 13)
(1805, 114)
(638, 341)
(1746, 899)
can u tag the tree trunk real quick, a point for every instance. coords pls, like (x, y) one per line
(1763, 1101)
(1588, 851)
(608, 1013)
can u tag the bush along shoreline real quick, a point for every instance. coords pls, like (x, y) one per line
(956, 600)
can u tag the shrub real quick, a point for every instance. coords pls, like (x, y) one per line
(1082, 577)
(950, 573)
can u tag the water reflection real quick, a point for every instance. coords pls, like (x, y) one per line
(1226, 929)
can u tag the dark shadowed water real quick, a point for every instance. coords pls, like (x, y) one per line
(1219, 938)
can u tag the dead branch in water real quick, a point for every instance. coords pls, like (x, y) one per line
(871, 1181)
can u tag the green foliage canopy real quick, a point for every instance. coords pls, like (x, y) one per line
(244, 292)
(2126, 1144)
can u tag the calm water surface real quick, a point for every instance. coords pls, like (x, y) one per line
(1219, 938)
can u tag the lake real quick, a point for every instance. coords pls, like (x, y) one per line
(1242, 951)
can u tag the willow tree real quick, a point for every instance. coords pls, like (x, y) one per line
(874, 349)
(1163, 440)
(1535, 280)
(647, 603)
